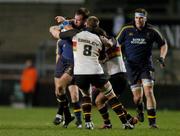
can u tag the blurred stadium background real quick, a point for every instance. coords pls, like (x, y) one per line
(24, 34)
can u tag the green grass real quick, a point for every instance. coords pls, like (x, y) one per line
(38, 122)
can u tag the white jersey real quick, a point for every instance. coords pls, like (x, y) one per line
(115, 63)
(86, 49)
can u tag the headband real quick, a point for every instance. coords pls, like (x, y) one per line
(137, 14)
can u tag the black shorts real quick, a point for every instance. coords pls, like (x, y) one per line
(119, 83)
(63, 66)
(84, 81)
(135, 73)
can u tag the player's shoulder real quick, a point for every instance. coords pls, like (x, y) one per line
(125, 28)
(63, 41)
(59, 41)
(152, 27)
(128, 26)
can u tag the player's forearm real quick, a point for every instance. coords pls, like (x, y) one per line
(55, 31)
(163, 51)
(68, 34)
(108, 42)
(59, 19)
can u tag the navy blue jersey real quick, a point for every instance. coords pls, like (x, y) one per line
(137, 44)
(65, 49)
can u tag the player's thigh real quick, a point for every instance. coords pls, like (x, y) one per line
(119, 83)
(83, 82)
(99, 80)
(64, 80)
(100, 99)
(74, 92)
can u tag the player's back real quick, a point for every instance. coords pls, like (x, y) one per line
(115, 63)
(64, 48)
(86, 48)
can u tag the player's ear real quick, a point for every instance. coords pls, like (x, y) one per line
(145, 19)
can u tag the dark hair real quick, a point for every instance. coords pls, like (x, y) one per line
(84, 12)
(141, 10)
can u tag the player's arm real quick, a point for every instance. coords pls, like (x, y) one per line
(55, 31)
(105, 39)
(162, 44)
(68, 34)
(108, 42)
(163, 53)
(60, 19)
(163, 50)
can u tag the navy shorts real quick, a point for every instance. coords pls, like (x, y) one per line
(137, 72)
(63, 66)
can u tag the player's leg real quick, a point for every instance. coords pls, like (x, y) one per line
(60, 89)
(65, 79)
(106, 87)
(119, 84)
(63, 76)
(58, 72)
(74, 93)
(117, 106)
(25, 99)
(148, 84)
(134, 77)
(137, 92)
(103, 110)
(83, 83)
(151, 102)
(59, 115)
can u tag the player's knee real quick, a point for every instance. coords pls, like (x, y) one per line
(148, 82)
(74, 98)
(60, 88)
(107, 89)
(149, 93)
(136, 87)
(98, 103)
(137, 99)
(136, 90)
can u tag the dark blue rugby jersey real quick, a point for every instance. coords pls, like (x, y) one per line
(137, 44)
(65, 49)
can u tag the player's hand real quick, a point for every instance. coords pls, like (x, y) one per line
(57, 93)
(161, 61)
(60, 19)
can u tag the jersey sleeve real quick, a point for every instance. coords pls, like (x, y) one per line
(159, 39)
(121, 36)
(68, 34)
(60, 45)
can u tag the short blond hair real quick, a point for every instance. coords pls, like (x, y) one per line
(92, 22)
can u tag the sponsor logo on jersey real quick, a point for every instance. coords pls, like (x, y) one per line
(87, 41)
(138, 41)
(130, 34)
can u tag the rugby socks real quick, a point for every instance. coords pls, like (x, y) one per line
(86, 106)
(67, 113)
(118, 108)
(151, 116)
(77, 110)
(140, 107)
(128, 115)
(105, 115)
(60, 100)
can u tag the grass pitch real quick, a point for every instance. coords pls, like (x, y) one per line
(38, 122)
